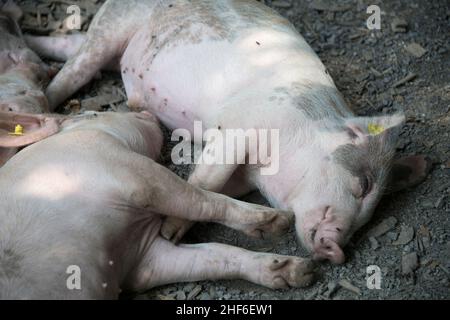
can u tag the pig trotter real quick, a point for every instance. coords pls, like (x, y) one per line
(283, 272)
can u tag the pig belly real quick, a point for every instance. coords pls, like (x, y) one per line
(185, 82)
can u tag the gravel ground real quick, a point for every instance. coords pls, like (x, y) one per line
(404, 65)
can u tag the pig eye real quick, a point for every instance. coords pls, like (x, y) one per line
(366, 185)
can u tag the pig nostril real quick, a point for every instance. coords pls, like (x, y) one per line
(338, 229)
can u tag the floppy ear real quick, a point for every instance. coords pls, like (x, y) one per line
(408, 172)
(33, 128)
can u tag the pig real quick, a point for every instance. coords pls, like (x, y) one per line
(22, 73)
(239, 65)
(87, 200)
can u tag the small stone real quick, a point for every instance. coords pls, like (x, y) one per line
(423, 231)
(439, 202)
(409, 77)
(399, 25)
(383, 227)
(332, 288)
(349, 286)
(180, 295)
(425, 242)
(393, 235)
(235, 292)
(189, 287)
(406, 235)
(415, 50)
(227, 296)
(410, 262)
(205, 296)
(195, 292)
(212, 292)
(373, 243)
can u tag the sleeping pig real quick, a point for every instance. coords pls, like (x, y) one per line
(22, 73)
(88, 201)
(239, 65)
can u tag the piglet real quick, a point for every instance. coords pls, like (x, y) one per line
(22, 73)
(81, 211)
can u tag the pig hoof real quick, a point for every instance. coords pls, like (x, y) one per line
(173, 229)
(273, 223)
(281, 272)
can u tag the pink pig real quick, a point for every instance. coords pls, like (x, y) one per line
(22, 73)
(88, 200)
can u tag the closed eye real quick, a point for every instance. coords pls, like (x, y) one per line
(366, 185)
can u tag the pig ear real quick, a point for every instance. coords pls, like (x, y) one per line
(407, 172)
(19, 130)
(386, 128)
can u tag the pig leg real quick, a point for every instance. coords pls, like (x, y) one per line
(175, 197)
(207, 177)
(56, 48)
(174, 229)
(167, 263)
(79, 70)
(107, 37)
(63, 48)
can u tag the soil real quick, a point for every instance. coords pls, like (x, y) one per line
(412, 245)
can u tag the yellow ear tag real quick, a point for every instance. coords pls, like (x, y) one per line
(375, 129)
(18, 131)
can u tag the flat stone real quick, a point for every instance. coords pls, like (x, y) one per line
(180, 295)
(349, 286)
(406, 235)
(415, 49)
(383, 227)
(410, 262)
(374, 245)
(194, 293)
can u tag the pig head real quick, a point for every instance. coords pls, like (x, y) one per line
(334, 181)
(22, 73)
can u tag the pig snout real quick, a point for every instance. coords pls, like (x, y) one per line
(323, 234)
